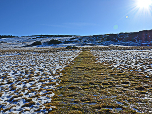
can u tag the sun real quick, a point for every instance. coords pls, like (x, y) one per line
(144, 3)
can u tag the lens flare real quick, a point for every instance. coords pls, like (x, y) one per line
(115, 27)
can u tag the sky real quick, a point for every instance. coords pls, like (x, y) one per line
(73, 17)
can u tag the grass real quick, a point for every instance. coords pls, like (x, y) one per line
(97, 88)
(87, 87)
(84, 85)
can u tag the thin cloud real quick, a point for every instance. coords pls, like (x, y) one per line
(80, 24)
(61, 26)
(71, 25)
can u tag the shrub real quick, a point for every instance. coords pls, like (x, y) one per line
(54, 42)
(67, 42)
(3, 42)
(36, 43)
(70, 47)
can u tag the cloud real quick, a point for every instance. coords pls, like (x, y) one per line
(71, 25)
(61, 26)
(80, 24)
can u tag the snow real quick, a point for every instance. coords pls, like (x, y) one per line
(124, 59)
(26, 70)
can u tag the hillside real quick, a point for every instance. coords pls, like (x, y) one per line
(141, 38)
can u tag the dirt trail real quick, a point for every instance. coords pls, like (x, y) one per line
(90, 87)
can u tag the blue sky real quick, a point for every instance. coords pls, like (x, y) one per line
(77, 17)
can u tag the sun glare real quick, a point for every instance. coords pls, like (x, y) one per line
(144, 3)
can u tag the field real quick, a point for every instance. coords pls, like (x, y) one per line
(86, 80)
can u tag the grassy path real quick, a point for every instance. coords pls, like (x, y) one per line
(89, 87)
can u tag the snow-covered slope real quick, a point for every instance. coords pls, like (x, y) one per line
(24, 41)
